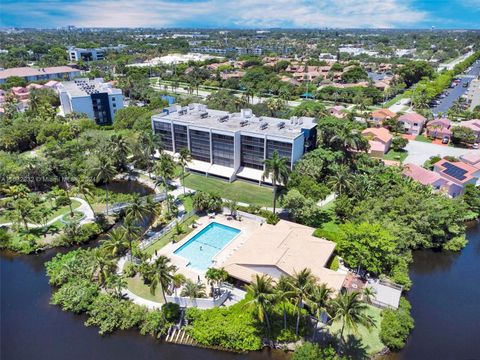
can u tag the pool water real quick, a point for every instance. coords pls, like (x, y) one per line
(202, 248)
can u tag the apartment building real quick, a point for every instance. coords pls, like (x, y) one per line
(233, 145)
(95, 98)
(93, 54)
(30, 74)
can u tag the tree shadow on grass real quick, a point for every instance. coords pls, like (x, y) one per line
(353, 349)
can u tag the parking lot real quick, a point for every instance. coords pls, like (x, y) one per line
(456, 92)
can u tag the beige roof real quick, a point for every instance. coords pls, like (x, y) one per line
(285, 248)
(29, 71)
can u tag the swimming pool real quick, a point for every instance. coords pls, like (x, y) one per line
(201, 248)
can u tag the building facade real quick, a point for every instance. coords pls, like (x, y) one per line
(98, 100)
(93, 54)
(231, 145)
(30, 74)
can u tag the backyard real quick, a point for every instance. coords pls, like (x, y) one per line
(396, 155)
(239, 191)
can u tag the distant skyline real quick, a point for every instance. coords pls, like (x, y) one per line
(455, 14)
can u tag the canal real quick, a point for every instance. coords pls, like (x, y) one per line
(444, 299)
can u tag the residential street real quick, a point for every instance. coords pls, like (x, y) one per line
(419, 152)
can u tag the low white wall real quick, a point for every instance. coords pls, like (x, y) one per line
(206, 303)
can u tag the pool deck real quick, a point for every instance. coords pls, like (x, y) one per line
(246, 226)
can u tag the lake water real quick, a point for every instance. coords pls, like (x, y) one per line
(445, 299)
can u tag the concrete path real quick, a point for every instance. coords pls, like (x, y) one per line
(419, 152)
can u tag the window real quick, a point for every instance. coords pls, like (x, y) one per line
(252, 152)
(180, 135)
(113, 99)
(200, 145)
(283, 149)
(223, 150)
(165, 130)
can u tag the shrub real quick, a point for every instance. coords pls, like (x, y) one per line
(130, 270)
(455, 244)
(110, 313)
(76, 296)
(396, 325)
(154, 324)
(171, 311)
(230, 328)
(65, 267)
(272, 218)
(62, 201)
(334, 264)
(310, 351)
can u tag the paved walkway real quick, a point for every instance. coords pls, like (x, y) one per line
(419, 152)
(89, 216)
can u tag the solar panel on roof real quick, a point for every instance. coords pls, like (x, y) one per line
(454, 171)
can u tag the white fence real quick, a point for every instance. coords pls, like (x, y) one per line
(201, 303)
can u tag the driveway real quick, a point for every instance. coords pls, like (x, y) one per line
(419, 152)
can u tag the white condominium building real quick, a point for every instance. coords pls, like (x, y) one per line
(231, 145)
(95, 98)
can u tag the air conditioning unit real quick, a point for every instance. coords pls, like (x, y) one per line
(203, 115)
(246, 113)
(263, 125)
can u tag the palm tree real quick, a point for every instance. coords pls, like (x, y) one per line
(115, 283)
(283, 295)
(163, 275)
(102, 265)
(341, 180)
(278, 169)
(262, 293)
(368, 293)
(23, 211)
(350, 310)
(104, 171)
(138, 209)
(193, 290)
(178, 281)
(319, 301)
(132, 233)
(183, 160)
(303, 284)
(84, 187)
(116, 242)
(165, 168)
(121, 149)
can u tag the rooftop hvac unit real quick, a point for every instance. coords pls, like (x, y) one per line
(182, 111)
(263, 125)
(293, 119)
(243, 123)
(246, 113)
(223, 118)
(300, 121)
(191, 106)
(281, 125)
(203, 115)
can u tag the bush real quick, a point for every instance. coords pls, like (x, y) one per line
(272, 218)
(455, 244)
(171, 311)
(396, 325)
(76, 296)
(130, 270)
(75, 264)
(310, 351)
(230, 328)
(110, 313)
(334, 265)
(62, 201)
(154, 324)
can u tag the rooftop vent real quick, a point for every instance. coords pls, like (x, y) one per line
(203, 115)
(191, 106)
(182, 111)
(300, 121)
(263, 125)
(293, 120)
(281, 125)
(246, 113)
(223, 118)
(243, 123)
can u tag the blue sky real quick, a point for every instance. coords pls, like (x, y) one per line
(242, 13)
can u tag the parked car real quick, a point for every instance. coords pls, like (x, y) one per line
(445, 140)
(475, 146)
(466, 84)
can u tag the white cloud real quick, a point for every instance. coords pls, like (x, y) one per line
(240, 13)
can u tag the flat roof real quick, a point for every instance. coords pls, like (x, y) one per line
(245, 121)
(85, 87)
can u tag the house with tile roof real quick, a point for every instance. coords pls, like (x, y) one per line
(379, 139)
(474, 125)
(380, 115)
(439, 128)
(412, 123)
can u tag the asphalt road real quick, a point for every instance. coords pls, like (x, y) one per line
(455, 93)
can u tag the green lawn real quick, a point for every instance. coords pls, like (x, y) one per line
(57, 212)
(169, 236)
(396, 155)
(423, 138)
(136, 286)
(238, 190)
(370, 339)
